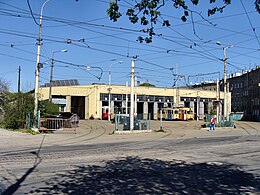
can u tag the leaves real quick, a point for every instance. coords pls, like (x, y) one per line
(166, 23)
(113, 11)
(146, 12)
(257, 5)
(183, 18)
(144, 21)
(195, 2)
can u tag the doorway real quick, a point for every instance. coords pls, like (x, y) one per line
(78, 106)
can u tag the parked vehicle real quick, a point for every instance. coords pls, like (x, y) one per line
(186, 114)
(176, 114)
(169, 114)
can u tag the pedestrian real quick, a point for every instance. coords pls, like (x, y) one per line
(212, 123)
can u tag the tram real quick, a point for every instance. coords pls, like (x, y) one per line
(186, 114)
(176, 114)
(169, 114)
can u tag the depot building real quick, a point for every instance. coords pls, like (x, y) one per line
(92, 100)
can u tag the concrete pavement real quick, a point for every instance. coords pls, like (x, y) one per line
(64, 162)
(94, 131)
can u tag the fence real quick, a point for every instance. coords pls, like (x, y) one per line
(221, 122)
(237, 116)
(54, 123)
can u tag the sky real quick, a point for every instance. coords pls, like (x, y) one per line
(82, 27)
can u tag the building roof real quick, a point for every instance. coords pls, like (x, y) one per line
(71, 82)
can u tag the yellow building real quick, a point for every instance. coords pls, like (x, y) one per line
(92, 100)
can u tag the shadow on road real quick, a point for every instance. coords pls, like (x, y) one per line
(133, 175)
(13, 188)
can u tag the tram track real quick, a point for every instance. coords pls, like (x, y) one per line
(244, 126)
(98, 131)
(86, 149)
(71, 140)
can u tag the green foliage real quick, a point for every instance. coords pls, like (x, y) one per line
(14, 116)
(257, 5)
(28, 131)
(113, 11)
(145, 84)
(148, 12)
(3, 95)
(48, 108)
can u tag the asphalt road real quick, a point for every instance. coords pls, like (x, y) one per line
(90, 160)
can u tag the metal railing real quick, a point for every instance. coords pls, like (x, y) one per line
(52, 124)
(222, 122)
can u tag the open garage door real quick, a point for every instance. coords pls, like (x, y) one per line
(78, 106)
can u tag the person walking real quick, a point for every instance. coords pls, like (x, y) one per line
(212, 124)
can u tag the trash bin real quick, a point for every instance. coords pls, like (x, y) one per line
(127, 124)
(144, 126)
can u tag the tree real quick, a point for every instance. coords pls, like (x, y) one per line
(48, 108)
(4, 89)
(145, 84)
(147, 12)
(14, 117)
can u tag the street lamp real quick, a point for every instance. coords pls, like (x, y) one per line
(37, 71)
(109, 89)
(52, 65)
(225, 77)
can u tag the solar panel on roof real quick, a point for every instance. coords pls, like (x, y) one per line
(70, 82)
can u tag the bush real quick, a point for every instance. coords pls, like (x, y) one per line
(14, 116)
(11, 119)
(48, 108)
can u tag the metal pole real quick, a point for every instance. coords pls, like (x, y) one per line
(109, 89)
(109, 94)
(18, 93)
(161, 128)
(132, 96)
(126, 99)
(198, 106)
(225, 78)
(37, 71)
(135, 110)
(177, 89)
(217, 101)
(52, 64)
(225, 84)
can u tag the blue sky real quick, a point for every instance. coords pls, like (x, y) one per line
(106, 43)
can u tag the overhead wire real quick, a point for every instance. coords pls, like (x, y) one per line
(28, 3)
(249, 20)
(122, 56)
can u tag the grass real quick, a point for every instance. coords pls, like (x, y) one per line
(27, 131)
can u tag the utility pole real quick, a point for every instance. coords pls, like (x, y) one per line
(225, 78)
(18, 91)
(177, 89)
(198, 106)
(52, 65)
(126, 99)
(37, 71)
(217, 101)
(225, 84)
(132, 95)
(109, 94)
(110, 88)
